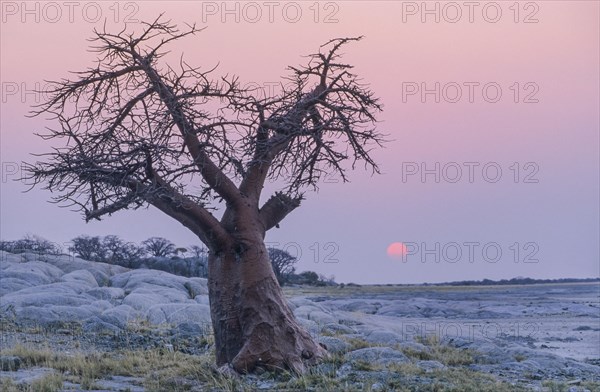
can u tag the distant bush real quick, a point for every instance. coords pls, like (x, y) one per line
(514, 281)
(311, 278)
(188, 266)
(32, 244)
(160, 254)
(153, 253)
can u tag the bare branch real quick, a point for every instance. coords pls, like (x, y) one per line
(277, 208)
(300, 133)
(137, 133)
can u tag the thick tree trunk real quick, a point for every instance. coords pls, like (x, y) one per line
(252, 322)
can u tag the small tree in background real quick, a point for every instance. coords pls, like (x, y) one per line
(283, 264)
(89, 248)
(123, 253)
(112, 245)
(199, 256)
(197, 251)
(159, 247)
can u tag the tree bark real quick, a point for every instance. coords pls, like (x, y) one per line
(253, 324)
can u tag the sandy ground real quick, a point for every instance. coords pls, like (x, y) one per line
(561, 319)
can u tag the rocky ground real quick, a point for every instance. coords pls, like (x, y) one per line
(537, 337)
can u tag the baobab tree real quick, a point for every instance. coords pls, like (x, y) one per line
(139, 132)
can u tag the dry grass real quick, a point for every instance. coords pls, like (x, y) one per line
(447, 355)
(52, 382)
(160, 369)
(553, 386)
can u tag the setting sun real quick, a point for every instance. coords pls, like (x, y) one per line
(396, 249)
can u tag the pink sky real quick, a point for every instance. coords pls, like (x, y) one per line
(558, 56)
